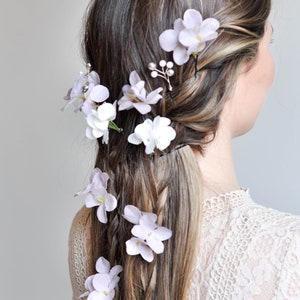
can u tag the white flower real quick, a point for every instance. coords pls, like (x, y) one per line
(97, 195)
(153, 134)
(102, 284)
(152, 234)
(189, 35)
(168, 41)
(197, 31)
(96, 94)
(99, 121)
(148, 236)
(87, 91)
(136, 246)
(135, 95)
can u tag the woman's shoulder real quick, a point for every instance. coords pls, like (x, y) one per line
(275, 220)
(80, 264)
(81, 219)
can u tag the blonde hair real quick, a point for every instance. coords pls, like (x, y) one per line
(121, 36)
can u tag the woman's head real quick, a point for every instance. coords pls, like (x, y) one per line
(122, 36)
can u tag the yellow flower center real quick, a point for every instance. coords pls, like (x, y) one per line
(138, 243)
(199, 38)
(133, 97)
(101, 199)
(105, 293)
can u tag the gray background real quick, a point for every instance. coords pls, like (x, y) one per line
(45, 158)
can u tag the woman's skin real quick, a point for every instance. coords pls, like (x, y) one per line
(238, 117)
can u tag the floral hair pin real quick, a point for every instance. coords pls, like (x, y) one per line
(102, 285)
(166, 71)
(156, 134)
(97, 195)
(136, 96)
(147, 235)
(189, 36)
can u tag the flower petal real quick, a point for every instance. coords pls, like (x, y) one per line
(101, 214)
(154, 96)
(90, 201)
(85, 294)
(164, 137)
(89, 133)
(101, 125)
(168, 40)
(132, 214)
(150, 146)
(106, 111)
(180, 55)
(136, 246)
(102, 265)
(208, 29)
(147, 254)
(134, 139)
(142, 108)
(140, 232)
(134, 78)
(99, 93)
(178, 25)
(192, 18)
(91, 118)
(125, 103)
(115, 271)
(162, 233)
(144, 131)
(156, 245)
(187, 37)
(94, 78)
(97, 133)
(98, 177)
(159, 122)
(89, 283)
(101, 282)
(132, 246)
(87, 107)
(110, 202)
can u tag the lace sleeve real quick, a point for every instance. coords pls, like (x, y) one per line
(79, 244)
(289, 281)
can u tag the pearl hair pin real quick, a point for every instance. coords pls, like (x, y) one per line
(166, 71)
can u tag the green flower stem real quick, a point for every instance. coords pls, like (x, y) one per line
(114, 126)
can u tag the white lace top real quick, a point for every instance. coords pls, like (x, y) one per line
(246, 251)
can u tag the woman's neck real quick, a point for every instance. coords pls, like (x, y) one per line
(216, 165)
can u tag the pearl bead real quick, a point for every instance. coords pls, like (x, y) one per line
(162, 63)
(170, 72)
(152, 66)
(154, 74)
(170, 64)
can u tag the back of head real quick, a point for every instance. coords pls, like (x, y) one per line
(122, 36)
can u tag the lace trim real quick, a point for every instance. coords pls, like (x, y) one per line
(223, 202)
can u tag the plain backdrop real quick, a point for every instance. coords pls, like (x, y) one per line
(45, 157)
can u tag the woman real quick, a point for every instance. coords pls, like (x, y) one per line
(168, 153)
